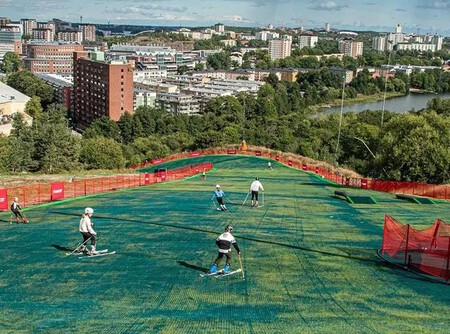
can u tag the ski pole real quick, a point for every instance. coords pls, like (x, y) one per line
(81, 244)
(242, 269)
(245, 200)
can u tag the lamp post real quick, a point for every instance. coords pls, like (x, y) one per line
(385, 82)
(371, 153)
(340, 118)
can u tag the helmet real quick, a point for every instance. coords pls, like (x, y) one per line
(256, 178)
(89, 211)
(16, 199)
(217, 186)
(228, 228)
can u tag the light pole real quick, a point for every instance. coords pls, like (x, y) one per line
(371, 153)
(340, 118)
(385, 82)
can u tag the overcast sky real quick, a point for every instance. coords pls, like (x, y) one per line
(423, 16)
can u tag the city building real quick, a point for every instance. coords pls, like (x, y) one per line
(50, 57)
(309, 41)
(178, 103)
(87, 32)
(11, 102)
(280, 48)
(219, 27)
(48, 25)
(70, 36)
(4, 21)
(10, 41)
(266, 35)
(151, 57)
(62, 88)
(327, 27)
(101, 88)
(28, 26)
(416, 46)
(144, 98)
(350, 48)
(42, 34)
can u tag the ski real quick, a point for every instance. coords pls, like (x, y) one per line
(96, 255)
(78, 253)
(211, 274)
(228, 274)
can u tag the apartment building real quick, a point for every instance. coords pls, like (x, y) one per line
(42, 34)
(178, 103)
(50, 57)
(151, 57)
(28, 25)
(87, 32)
(62, 88)
(280, 48)
(351, 48)
(309, 41)
(101, 88)
(70, 36)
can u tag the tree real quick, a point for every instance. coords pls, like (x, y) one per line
(30, 85)
(55, 147)
(34, 107)
(182, 69)
(101, 153)
(103, 127)
(11, 63)
(21, 147)
(219, 61)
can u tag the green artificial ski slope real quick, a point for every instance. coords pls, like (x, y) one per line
(309, 259)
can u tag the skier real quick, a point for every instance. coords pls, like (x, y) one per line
(269, 165)
(219, 195)
(254, 188)
(87, 231)
(15, 208)
(224, 242)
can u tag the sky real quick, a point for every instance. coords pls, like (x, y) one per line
(416, 16)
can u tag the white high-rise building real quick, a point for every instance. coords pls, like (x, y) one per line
(280, 48)
(28, 25)
(266, 35)
(307, 41)
(327, 27)
(350, 47)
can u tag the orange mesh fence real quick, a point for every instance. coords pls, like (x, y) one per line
(425, 250)
(41, 193)
(410, 188)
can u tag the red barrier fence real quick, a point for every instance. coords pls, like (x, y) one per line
(410, 188)
(40, 193)
(426, 250)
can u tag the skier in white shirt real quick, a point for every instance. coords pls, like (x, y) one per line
(87, 231)
(254, 188)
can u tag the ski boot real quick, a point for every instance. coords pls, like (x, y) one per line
(93, 251)
(213, 269)
(226, 270)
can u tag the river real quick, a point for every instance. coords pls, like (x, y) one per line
(396, 104)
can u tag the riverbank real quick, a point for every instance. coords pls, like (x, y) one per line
(357, 100)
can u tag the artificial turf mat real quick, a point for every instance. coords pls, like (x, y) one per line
(310, 261)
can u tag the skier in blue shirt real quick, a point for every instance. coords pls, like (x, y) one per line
(219, 195)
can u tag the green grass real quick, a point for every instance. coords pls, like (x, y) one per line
(309, 258)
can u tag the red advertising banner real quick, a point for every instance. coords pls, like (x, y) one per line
(364, 183)
(146, 178)
(317, 170)
(305, 167)
(195, 154)
(277, 158)
(289, 162)
(231, 151)
(156, 161)
(57, 189)
(258, 153)
(3, 199)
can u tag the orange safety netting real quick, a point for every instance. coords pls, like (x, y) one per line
(426, 250)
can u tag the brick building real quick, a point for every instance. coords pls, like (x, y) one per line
(100, 88)
(50, 57)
